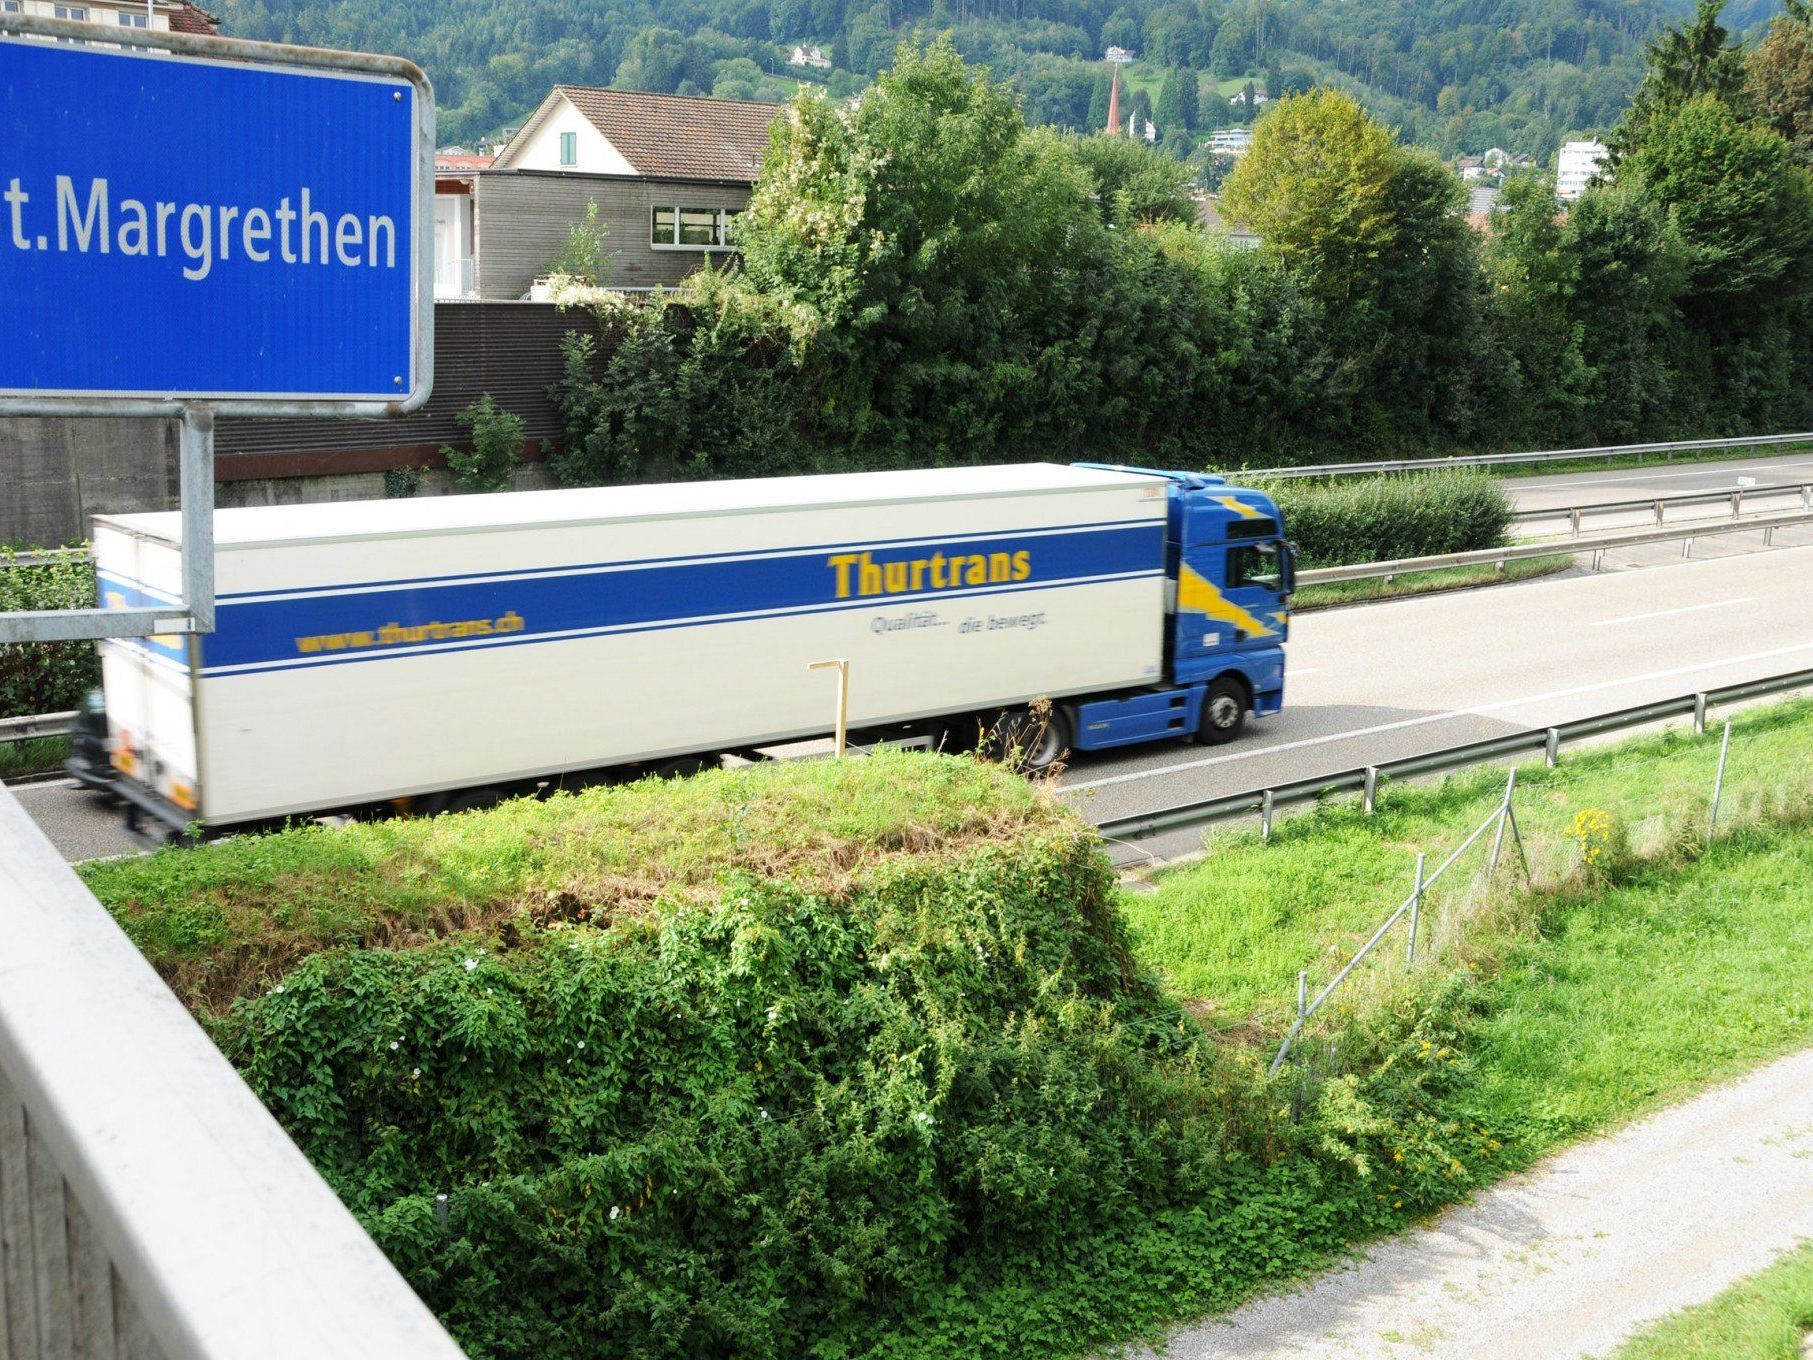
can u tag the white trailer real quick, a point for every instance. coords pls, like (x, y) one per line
(386, 650)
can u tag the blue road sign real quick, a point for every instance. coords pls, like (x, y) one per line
(174, 226)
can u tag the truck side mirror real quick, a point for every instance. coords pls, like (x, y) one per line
(1287, 567)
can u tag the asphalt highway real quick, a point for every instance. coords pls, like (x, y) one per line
(1378, 682)
(1768, 484)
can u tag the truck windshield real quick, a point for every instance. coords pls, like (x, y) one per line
(1255, 564)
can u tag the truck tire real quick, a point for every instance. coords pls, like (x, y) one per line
(1031, 742)
(1224, 710)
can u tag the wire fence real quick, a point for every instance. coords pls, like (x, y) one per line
(1691, 794)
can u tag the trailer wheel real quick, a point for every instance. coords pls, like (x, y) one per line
(1224, 710)
(474, 800)
(685, 767)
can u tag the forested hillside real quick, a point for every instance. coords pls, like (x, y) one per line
(1460, 75)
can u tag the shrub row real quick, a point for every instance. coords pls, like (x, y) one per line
(934, 1110)
(1380, 519)
(45, 677)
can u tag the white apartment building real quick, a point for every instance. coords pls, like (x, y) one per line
(1579, 162)
(1231, 141)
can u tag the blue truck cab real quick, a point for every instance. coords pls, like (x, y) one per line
(1231, 574)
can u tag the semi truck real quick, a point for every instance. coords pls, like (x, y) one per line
(443, 653)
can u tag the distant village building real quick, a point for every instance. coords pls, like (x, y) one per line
(1471, 168)
(1120, 56)
(1210, 220)
(160, 16)
(809, 56)
(1236, 141)
(1580, 162)
(669, 174)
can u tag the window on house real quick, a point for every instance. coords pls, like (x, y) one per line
(133, 19)
(11, 6)
(693, 228)
(569, 148)
(72, 11)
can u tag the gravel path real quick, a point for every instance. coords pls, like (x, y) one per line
(1570, 1259)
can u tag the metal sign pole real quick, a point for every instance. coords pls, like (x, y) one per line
(197, 476)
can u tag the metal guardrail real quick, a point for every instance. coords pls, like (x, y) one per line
(1365, 779)
(1491, 557)
(1610, 451)
(1659, 505)
(35, 725)
(150, 1207)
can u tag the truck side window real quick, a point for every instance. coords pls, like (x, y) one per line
(1255, 564)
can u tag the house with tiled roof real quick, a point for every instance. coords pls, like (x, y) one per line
(177, 16)
(669, 174)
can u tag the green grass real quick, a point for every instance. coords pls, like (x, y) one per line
(37, 756)
(227, 920)
(1233, 929)
(1427, 583)
(1631, 999)
(1762, 1318)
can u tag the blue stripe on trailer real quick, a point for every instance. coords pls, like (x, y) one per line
(367, 624)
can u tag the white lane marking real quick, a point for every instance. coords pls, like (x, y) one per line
(1478, 711)
(1670, 613)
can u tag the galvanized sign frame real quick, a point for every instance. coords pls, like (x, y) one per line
(197, 411)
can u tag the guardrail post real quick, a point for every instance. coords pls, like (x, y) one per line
(1416, 909)
(1369, 795)
(1699, 714)
(1573, 516)
(1806, 496)
(1718, 783)
(1598, 558)
(1687, 547)
(1265, 815)
(1658, 512)
(1737, 504)
(1551, 747)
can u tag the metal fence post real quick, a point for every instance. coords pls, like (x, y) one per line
(1369, 795)
(1498, 837)
(1551, 747)
(1699, 714)
(1265, 815)
(1416, 909)
(1718, 782)
(1302, 993)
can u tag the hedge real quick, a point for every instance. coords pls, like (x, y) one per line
(1381, 519)
(45, 677)
(903, 1094)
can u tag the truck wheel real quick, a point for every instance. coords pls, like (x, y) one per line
(1031, 742)
(684, 767)
(1223, 712)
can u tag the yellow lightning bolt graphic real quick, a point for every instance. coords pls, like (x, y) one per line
(1196, 594)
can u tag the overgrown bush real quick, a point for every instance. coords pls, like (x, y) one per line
(900, 1095)
(46, 677)
(1381, 519)
(497, 437)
